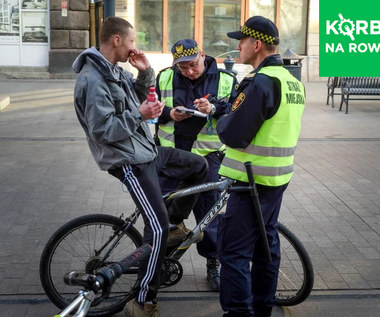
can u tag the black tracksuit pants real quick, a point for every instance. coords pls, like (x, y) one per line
(143, 185)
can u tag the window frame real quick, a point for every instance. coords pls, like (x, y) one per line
(198, 25)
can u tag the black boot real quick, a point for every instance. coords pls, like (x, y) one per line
(213, 276)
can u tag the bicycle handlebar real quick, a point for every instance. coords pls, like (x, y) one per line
(107, 276)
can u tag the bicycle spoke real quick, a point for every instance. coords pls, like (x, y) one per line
(296, 278)
(76, 248)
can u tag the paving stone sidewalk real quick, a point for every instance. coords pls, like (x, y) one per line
(48, 177)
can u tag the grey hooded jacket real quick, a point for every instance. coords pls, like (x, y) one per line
(106, 99)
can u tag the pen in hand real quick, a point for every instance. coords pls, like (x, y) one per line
(205, 97)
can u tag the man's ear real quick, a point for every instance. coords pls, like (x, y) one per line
(116, 40)
(258, 45)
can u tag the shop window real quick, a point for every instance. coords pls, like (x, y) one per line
(34, 27)
(181, 16)
(149, 25)
(160, 23)
(293, 15)
(290, 17)
(24, 33)
(220, 18)
(9, 21)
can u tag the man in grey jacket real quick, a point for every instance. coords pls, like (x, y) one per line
(111, 109)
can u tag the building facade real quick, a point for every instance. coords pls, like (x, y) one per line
(50, 34)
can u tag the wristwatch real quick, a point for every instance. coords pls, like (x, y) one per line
(213, 109)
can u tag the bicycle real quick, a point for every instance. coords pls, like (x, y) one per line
(102, 281)
(89, 243)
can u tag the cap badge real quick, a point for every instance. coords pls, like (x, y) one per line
(179, 49)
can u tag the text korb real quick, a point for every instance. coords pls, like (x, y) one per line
(351, 28)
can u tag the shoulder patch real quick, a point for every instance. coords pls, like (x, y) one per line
(250, 76)
(239, 100)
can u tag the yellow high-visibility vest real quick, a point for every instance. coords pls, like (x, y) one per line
(271, 151)
(207, 140)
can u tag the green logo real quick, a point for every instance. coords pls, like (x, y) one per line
(349, 38)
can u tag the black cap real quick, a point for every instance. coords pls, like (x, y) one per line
(259, 28)
(184, 51)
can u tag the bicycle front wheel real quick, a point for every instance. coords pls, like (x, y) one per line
(80, 245)
(296, 275)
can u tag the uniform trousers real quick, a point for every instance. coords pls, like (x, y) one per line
(245, 290)
(206, 200)
(143, 184)
(207, 247)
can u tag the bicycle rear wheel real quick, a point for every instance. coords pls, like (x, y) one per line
(80, 245)
(296, 275)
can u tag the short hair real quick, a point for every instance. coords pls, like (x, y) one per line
(114, 26)
(272, 48)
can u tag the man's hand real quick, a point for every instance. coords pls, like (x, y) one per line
(177, 116)
(151, 110)
(138, 60)
(203, 105)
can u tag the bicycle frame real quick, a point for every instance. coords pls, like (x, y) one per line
(225, 187)
(104, 279)
(83, 300)
(222, 186)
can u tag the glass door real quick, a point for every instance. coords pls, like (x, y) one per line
(161, 23)
(181, 21)
(149, 24)
(219, 18)
(24, 33)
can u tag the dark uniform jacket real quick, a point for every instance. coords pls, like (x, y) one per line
(264, 105)
(186, 91)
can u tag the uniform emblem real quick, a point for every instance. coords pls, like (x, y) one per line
(239, 100)
(179, 49)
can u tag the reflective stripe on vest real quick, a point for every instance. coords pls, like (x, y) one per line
(207, 142)
(166, 134)
(271, 151)
(207, 139)
(166, 131)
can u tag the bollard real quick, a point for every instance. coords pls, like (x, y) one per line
(229, 64)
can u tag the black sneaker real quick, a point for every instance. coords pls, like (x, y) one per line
(213, 276)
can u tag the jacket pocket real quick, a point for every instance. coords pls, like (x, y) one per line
(119, 106)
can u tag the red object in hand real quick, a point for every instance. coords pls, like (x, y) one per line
(151, 95)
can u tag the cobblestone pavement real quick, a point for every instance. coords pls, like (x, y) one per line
(48, 177)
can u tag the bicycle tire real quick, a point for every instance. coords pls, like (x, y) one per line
(296, 275)
(71, 248)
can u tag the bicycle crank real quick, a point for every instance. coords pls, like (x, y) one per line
(171, 272)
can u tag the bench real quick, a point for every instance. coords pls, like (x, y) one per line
(362, 86)
(333, 83)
